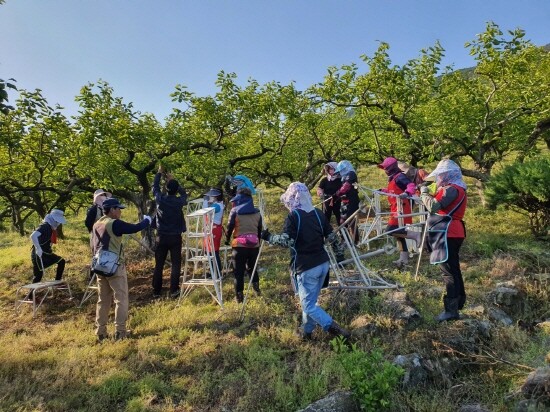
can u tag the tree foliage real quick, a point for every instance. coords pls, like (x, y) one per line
(275, 133)
(525, 187)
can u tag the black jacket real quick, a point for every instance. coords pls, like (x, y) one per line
(169, 215)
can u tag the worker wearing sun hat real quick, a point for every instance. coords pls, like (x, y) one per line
(42, 238)
(401, 188)
(446, 232)
(95, 211)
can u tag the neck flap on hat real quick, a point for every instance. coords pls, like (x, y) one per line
(297, 196)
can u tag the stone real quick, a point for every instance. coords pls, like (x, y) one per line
(537, 385)
(415, 372)
(499, 316)
(505, 296)
(339, 401)
(401, 306)
(545, 326)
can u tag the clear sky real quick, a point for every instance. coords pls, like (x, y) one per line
(143, 48)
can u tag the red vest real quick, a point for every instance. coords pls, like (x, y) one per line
(396, 190)
(456, 227)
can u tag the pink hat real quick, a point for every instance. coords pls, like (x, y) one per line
(388, 161)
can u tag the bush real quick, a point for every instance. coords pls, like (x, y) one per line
(372, 377)
(524, 186)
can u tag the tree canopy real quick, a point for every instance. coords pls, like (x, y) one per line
(418, 112)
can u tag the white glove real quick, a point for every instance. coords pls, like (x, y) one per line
(424, 190)
(148, 218)
(38, 251)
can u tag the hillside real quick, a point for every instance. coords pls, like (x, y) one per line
(198, 357)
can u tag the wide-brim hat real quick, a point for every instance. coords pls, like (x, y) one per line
(112, 202)
(58, 215)
(100, 192)
(444, 166)
(213, 192)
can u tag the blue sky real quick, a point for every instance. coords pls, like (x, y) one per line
(144, 48)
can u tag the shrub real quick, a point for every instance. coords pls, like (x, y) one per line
(372, 378)
(524, 186)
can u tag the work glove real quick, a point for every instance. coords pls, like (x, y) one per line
(265, 235)
(425, 190)
(38, 251)
(403, 195)
(148, 218)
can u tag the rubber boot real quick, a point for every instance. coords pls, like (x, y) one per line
(416, 236)
(451, 310)
(256, 287)
(337, 330)
(239, 297)
(403, 259)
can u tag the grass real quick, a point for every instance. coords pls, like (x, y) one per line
(197, 357)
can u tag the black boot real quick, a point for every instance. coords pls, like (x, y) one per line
(256, 287)
(451, 310)
(337, 330)
(239, 297)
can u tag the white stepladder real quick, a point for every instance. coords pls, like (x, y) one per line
(91, 290)
(373, 227)
(351, 274)
(200, 267)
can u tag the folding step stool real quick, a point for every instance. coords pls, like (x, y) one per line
(27, 294)
(91, 289)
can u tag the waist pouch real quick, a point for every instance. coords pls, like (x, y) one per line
(247, 239)
(438, 225)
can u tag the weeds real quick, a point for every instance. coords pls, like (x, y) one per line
(372, 378)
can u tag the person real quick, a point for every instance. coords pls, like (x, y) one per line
(304, 233)
(94, 212)
(42, 238)
(401, 188)
(234, 183)
(107, 235)
(329, 184)
(349, 195)
(447, 231)
(170, 225)
(214, 198)
(415, 175)
(245, 225)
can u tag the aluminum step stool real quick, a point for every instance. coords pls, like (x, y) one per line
(27, 294)
(91, 289)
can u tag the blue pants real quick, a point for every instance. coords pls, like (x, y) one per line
(309, 285)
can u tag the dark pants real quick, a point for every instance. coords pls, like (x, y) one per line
(400, 240)
(48, 259)
(452, 276)
(172, 244)
(244, 259)
(332, 207)
(346, 210)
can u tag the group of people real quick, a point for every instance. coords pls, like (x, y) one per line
(305, 232)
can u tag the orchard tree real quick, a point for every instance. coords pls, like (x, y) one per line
(499, 109)
(37, 171)
(119, 147)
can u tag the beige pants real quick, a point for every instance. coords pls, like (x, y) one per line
(114, 288)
